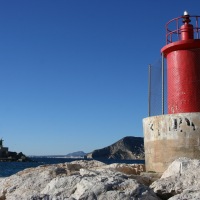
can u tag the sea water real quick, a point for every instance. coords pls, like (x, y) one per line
(10, 168)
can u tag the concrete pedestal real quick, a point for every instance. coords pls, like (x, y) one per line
(168, 137)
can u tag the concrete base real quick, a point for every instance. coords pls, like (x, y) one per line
(168, 137)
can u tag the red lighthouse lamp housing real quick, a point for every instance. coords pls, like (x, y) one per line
(183, 64)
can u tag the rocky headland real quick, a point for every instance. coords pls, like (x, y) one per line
(128, 148)
(77, 154)
(11, 156)
(6, 155)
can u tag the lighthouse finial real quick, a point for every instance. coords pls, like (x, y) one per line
(185, 13)
(186, 17)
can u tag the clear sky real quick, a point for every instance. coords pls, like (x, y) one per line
(73, 73)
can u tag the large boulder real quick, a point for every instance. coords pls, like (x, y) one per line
(98, 184)
(180, 181)
(135, 169)
(74, 181)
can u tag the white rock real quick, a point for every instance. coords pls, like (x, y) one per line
(135, 169)
(99, 184)
(88, 163)
(182, 178)
(187, 194)
(73, 181)
(181, 165)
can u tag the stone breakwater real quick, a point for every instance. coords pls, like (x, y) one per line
(94, 180)
(77, 180)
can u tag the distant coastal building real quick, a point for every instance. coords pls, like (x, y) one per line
(3, 150)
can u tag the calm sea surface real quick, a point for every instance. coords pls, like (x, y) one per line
(9, 168)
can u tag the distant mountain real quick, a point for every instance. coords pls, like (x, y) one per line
(127, 148)
(76, 154)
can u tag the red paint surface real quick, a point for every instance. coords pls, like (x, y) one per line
(181, 45)
(187, 32)
(183, 72)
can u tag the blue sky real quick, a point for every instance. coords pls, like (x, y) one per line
(73, 73)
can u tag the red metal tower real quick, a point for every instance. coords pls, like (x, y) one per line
(183, 64)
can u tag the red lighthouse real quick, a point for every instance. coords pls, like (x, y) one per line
(183, 64)
(177, 134)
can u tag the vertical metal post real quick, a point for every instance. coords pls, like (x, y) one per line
(149, 91)
(162, 84)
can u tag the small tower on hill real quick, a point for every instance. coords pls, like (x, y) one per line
(1, 143)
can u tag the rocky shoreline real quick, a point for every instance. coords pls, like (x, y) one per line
(90, 180)
(11, 156)
(14, 157)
